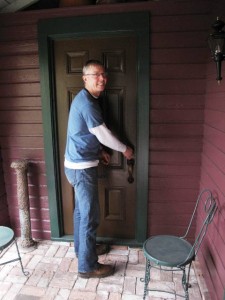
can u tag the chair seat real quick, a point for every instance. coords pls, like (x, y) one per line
(6, 237)
(168, 250)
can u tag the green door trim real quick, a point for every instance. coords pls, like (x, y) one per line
(136, 24)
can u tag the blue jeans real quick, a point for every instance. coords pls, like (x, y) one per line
(86, 216)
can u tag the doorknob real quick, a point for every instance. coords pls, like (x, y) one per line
(130, 165)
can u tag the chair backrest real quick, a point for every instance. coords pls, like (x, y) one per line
(210, 208)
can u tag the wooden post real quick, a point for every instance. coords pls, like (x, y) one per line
(21, 167)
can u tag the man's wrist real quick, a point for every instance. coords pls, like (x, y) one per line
(125, 149)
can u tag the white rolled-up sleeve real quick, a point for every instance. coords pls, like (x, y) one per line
(106, 137)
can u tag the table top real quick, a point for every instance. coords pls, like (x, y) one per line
(6, 237)
(168, 250)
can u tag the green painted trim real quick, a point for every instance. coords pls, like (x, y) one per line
(49, 132)
(135, 24)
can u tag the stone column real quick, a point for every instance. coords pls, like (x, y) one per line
(21, 167)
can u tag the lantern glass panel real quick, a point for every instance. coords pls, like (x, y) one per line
(216, 44)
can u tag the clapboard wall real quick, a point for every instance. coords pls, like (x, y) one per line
(177, 88)
(212, 255)
(178, 84)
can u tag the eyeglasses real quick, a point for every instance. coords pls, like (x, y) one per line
(97, 75)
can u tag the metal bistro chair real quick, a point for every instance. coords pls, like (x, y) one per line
(172, 253)
(6, 239)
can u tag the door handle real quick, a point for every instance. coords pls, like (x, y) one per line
(130, 168)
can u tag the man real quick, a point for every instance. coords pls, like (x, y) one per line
(85, 134)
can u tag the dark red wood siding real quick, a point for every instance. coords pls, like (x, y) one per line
(212, 254)
(179, 82)
(21, 119)
(177, 87)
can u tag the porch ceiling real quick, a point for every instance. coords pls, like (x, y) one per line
(14, 5)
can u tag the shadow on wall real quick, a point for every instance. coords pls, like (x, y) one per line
(4, 214)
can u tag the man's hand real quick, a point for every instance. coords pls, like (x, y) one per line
(129, 153)
(104, 157)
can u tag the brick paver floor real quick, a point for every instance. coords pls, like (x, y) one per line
(53, 275)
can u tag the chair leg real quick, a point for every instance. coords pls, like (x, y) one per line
(185, 281)
(147, 277)
(19, 258)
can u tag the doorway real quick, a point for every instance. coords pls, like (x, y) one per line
(118, 41)
(117, 195)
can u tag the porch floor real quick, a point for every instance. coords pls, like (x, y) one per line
(53, 275)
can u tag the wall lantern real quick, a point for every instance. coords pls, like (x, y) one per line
(216, 41)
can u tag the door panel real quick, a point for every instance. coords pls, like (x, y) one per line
(117, 197)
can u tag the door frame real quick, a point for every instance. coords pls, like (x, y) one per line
(49, 30)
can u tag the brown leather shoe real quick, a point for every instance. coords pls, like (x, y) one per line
(100, 272)
(102, 249)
